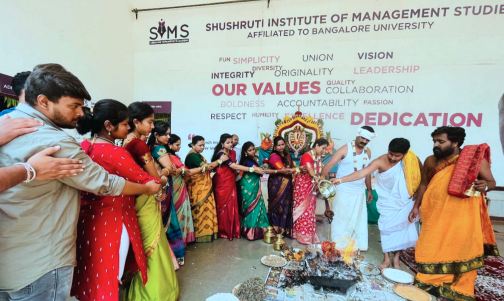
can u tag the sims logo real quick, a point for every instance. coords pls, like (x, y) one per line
(163, 34)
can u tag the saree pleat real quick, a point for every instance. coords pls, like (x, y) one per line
(305, 224)
(226, 200)
(169, 214)
(183, 209)
(255, 219)
(280, 203)
(162, 284)
(171, 224)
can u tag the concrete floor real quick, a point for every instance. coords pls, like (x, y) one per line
(217, 267)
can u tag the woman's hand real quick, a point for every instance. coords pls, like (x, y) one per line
(161, 196)
(258, 170)
(165, 172)
(12, 128)
(153, 187)
(48, 167)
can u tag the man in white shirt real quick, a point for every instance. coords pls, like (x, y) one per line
(236, 148)
(349, 205)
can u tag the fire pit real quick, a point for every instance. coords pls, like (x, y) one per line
(330, 267)
(330, 273)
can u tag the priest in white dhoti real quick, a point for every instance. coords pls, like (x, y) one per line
(397, 180)
(349, 204)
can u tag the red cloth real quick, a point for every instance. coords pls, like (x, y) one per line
(140, 151)
(467, 168)
(306, 159)
(178, 163)
(232, 155)
(305, 223)
(226, 199)
(275, 161)
(100, 226)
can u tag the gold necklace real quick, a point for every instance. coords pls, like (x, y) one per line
(132, 133)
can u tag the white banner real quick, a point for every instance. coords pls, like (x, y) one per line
(403, 68)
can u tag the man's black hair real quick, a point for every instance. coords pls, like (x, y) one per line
(454, 133)
(19, 81)
(53, 81)
(399, 145)
(367, 127)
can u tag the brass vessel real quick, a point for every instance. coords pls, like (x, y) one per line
(269, 235)
(279, 243)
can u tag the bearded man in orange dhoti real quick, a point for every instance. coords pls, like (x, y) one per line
(456, 231)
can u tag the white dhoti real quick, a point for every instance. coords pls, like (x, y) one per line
(394, 205)
(350, 220)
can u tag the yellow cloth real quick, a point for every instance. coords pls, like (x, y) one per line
(412, 172)
(456, 234)
(162, 284)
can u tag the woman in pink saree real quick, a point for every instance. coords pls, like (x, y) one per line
(305, 197)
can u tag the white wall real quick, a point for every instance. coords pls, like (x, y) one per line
(93, 39)
(103, 44)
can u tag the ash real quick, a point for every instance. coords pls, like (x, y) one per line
(335, 268)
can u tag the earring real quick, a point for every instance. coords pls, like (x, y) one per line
(109, 133)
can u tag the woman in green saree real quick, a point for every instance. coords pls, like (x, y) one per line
(158, 143)
(255, 218)
(162, 284)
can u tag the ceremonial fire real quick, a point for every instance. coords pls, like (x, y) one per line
(332, 267)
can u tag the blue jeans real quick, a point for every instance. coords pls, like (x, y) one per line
(53, 286)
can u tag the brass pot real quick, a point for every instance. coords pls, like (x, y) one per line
(279, 243)
(269, 235)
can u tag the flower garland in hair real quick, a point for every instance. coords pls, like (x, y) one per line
(355, 156)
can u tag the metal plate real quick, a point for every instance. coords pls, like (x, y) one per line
(264, 258)
(413, 293)
(397, 276)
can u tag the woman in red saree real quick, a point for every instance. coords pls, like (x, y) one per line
(225, 188)
(305, 198)
(107, 224)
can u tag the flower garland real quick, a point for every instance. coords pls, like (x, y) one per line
(355, 156)
(318, 162)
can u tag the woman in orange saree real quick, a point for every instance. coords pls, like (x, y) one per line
(305, 198)
(200, 190)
